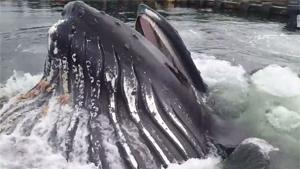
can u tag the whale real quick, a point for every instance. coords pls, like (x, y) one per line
(131, 81)
(139, 84)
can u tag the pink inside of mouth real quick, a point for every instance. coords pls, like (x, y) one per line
(148, 31)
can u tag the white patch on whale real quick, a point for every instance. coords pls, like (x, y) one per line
(52, 30)
(152, 14)
(152, 107)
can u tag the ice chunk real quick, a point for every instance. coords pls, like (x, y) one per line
(277, 81)
(283, 119)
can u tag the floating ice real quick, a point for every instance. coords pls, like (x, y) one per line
(277, 81)
(284, 119)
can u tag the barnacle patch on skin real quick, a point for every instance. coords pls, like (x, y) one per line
(45, 110)
(29, 95)
(40, 87)
(64, 99)
(49, 88)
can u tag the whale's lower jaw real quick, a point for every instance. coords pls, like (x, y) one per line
(118, 98)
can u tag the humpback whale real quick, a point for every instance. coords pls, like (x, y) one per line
(140, 84)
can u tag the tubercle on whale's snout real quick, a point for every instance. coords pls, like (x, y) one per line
(75, 8)
(78, 9)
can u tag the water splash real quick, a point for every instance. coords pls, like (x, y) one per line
(257, 101)
(18, 83)
(194, 163)
(267, 102)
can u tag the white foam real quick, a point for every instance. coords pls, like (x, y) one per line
(277, 81)
(112, 154)
(41, 149)
(228, 83)
(18, 83)
(18, 152)
(216, 72)
(283, 119)
(196, 163)
(266, 103)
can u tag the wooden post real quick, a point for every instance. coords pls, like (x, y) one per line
(266, 9)
(244, 8)
(293, 13)
(218, 5)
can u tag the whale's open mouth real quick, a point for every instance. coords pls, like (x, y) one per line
(156, 29)
(148, 24)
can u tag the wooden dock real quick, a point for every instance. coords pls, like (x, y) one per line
(287, 10)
